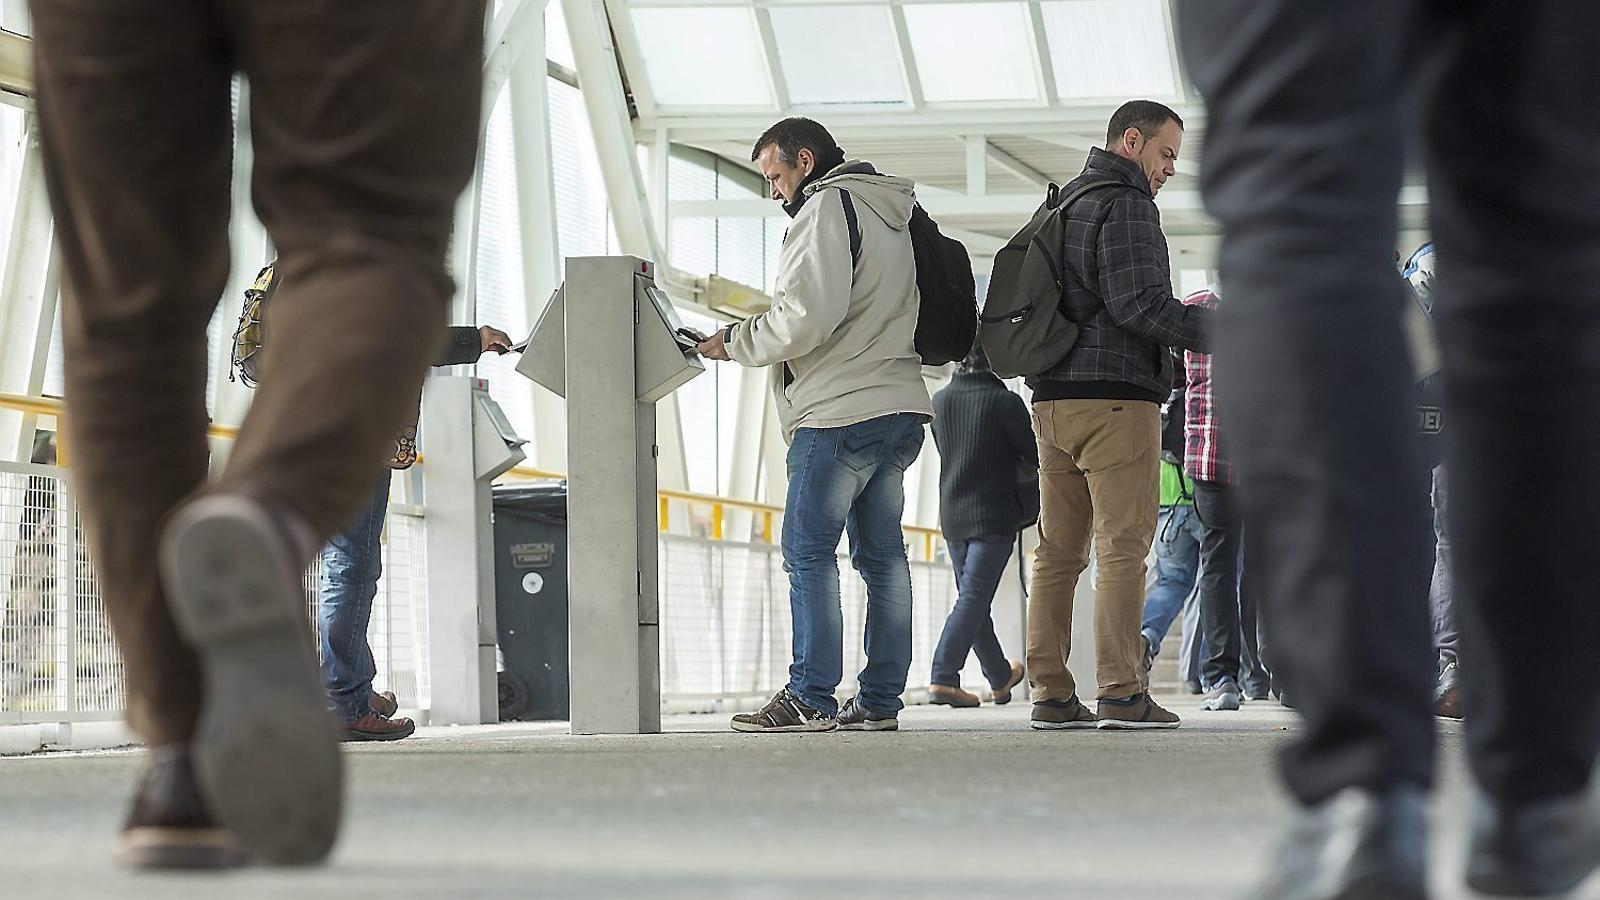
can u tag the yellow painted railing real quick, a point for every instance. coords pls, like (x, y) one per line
(767, 513)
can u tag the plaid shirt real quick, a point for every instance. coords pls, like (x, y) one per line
(1119, 285)
(1203, 457)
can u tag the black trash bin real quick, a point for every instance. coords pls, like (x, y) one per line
(530, 581)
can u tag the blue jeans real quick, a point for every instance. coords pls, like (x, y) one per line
(1177, 565)
(979, 563)
(850, 480)
(351, 564)
(1446, 636)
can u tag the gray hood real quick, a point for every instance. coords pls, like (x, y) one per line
(889, 196)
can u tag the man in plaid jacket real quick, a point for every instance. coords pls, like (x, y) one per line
(1227, 602)
(1098, 421)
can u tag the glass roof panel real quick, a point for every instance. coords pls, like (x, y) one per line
(1109, 49)
(972, 51)
(839, 54)
(703, 56)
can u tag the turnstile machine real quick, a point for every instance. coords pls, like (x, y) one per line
(608, 342)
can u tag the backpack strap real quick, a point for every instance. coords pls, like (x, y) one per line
(1072, 198)
(853, 224)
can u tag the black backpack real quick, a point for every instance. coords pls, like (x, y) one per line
(947, 317)
(1023, 327)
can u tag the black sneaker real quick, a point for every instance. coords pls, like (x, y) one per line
(855, 717)
(169, 826)
(784, 712)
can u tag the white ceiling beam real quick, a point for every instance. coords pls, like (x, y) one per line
(1016, 166)
(615, 141)
(509, 34)
(908, 59)
(997, 205)
(769, 47)
(628, 47)
(977, 165)
(1180, 73)
(28, 296)
(1072, 122)
(1041, 47)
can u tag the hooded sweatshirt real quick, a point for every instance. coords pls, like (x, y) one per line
(840, 337)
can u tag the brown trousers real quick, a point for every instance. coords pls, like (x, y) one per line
(1100, 480)
(364, 116)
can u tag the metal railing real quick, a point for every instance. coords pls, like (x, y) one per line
(922, 537)
(724, 602)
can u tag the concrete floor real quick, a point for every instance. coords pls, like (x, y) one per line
(960, 803)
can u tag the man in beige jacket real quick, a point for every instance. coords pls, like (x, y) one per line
(847, 383)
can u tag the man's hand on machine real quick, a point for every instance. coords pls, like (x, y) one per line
(715, 346)
(494, 339)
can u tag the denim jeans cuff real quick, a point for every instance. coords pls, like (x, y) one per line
(828, 706)
(352, 707)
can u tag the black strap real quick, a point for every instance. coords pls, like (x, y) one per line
(1072, 198)
(854, 226)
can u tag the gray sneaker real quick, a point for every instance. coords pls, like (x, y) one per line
(1224, 696)
(784, 713)
(855, 717)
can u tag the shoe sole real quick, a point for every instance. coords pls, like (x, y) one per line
(869, 725)
(954, 704)
(749, 728)
(1507, 881)
(1121, 725)
(178, 848)
(1222, 705)
(352, 736)
(265, 745)
(1037, 725)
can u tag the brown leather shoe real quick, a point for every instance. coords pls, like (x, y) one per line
(945, 695)
(169, 826)
(373, 727)
(385, 704)
(1002, 695)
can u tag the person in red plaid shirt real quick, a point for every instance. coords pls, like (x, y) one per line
(1228, 619)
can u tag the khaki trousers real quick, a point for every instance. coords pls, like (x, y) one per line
(363, 116)
(1099, 480)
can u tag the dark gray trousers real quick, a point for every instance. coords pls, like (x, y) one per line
(1310, 104)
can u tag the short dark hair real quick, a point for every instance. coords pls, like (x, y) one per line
(791, 136)
(1146, 115)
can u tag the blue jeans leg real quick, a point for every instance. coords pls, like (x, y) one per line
(1446, 636)
(979, 563)
(351, 564)
(1193, 649)
(878, 551)
(1177, 550)
(839, 475)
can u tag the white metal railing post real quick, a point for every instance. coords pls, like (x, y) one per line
(66, 669)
